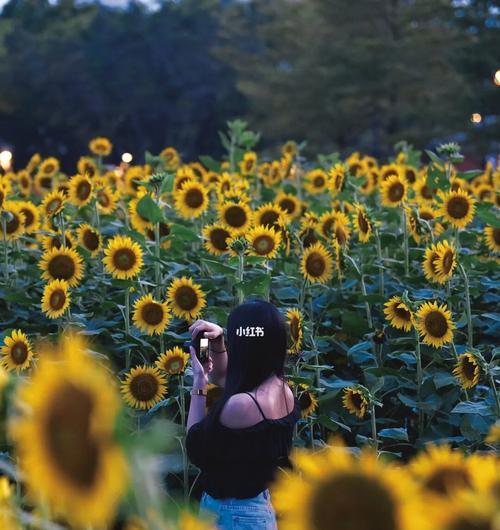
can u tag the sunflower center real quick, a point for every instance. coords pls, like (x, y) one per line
(235, 216)
(319, 181)
(144, 387)
(263, 244)
(57, 299)
(287, 205)
(294, 329)
(54, 205)
(327, 225)
(46, 183)
(83, 190)
(124, 259)
(426, 216)
(28, 217)
(496, 235)
(340, 235)
(410, 176)
(19, 352)
(426, 192)
(62, 267)
(194, 198)
(269, 218)
(103, 199)
(218, 238)
(445, 479)
(447, 261)
(458, 207)
(186, 298)
(468, 369)
(13, 224)
(152, 313)
(90, 240)
(315, 264)
(49, 168)
(484, 194)
(357, 401)
(362, 222)
(403, 313)
(305, 400)
(309, 238)
(352, 501)
(174, 365)
(396, 192)
(68, 439)
(436, 324)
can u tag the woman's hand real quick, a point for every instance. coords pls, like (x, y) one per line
(200, 371)
(213, 332)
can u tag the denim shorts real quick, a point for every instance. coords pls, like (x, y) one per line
(255, 513)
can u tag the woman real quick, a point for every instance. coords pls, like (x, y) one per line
(248, 431)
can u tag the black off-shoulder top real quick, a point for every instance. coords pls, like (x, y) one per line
(241, 463)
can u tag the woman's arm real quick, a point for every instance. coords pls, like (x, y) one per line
(217, 348)
(200, 380)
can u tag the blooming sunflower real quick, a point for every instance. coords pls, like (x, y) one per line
(14, 227)
(434, 324)
(290, 204)
(186, 298)
(144, 386)
(17, 352)
(317, 263)
(248, 164)
(106, 200)
(328, 219)
(70, 408)
(173, 361)
(355, 401)
(398, 314)
(237, 217)
(333, 490)
(56, 240)
(445, 261)
(269, 214)
(123, 257)
(423, 193)
(307, 399)
(467, 370)
(53, 203)
(100, 146)
(296, 325)
(492, 238)
(316, 181)
(263, 241)
(336, 179)
(171, 157)
(362, 223)
(191, 200)
(80, 190)
(150, 315)
(49, 167)
(86, 166)
(89, 238)
(393, 191)
(56, 298)
(62, 264)
(289, 148)
(216, 236)
(457, 207)
(390, 170)
(428, 266)
(31, 216)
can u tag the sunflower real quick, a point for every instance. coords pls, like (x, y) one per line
(191, 200)
(393, 191)
(31, 216)
(485, 192)
(24, 182)
(409, 174)
(17, 352)
(414, 224)
(123, 258)
(86, 166)
(62, 264)
(14, 226)
(106, 200)
(317, 263)
(423, 193)
(150, 315)
(391, 170)
(144, 386)
(272, 174)
(445, 261)
(80, 190)
(89, 238)
(237, 217)
(398, 314)
(134, 176)
(100, 146)
(70, 408)
(428, 265)
(269, 214)
(49, 167)
(165, 231)
(43, 183)
(248, 164)
(138, 222)
(53, 203)
(362, 223)
(457, 207)
(336, 179)
(33, 162)
(307, 399)
(56, 240)
(328, 219)
(186, 298)
(263, 241)
(467, 370)
(316, 181)
(492, 238)
(171, 157)
(355, 401)
(290, 204)
(289, 148)
(173, 361)
(296, 326)
(216, 236)
(434, 324)
(56, 298)
(331, 489)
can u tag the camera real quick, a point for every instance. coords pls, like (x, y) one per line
(200, 345)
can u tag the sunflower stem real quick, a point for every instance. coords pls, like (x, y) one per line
(363, 290)
(418, 357)
(467, 306)
(127, 326)
(374, 424)
(311, 431)
(63, 228)
(495, 393)
(182, 406)
(405, 241)
(380, 263)
(5, 251)
(157, 262)
(267, 265)
(241, 266)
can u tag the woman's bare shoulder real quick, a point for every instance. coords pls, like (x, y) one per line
(240, 411)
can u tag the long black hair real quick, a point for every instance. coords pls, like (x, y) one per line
(256, 349)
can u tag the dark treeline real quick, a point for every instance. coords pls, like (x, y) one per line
(342, 75)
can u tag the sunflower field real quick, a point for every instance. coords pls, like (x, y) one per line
(385, 271)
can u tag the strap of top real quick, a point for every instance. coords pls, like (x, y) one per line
(257, 403)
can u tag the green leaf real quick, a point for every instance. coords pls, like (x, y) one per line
(435, 158)
(217, 266)
(257, 286)
(468, 175)
(471, 407)
(395, 434)
(210, 163)
(486, 212)
(437, 179)
(147, 208)
(183, 233)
